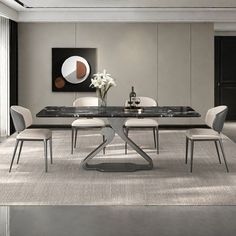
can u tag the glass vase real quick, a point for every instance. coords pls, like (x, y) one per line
(102, 100)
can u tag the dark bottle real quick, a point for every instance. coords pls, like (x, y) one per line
(132, 95)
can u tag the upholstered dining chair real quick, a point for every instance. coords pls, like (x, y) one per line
(85, 123)
(215, 119)
(143, 123)
(22, 119)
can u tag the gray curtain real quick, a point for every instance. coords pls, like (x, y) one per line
(4, 77)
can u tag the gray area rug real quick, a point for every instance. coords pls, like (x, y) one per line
(67, 183)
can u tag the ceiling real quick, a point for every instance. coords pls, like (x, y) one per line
(215, 11)
(119, 4)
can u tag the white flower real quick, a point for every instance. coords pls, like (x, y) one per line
(103, 82)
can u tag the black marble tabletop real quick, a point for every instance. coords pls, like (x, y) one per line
(117, 111)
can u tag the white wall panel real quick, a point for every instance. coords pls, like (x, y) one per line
(35, 47)
(170, 62)
(202, 67)
(173, 64)
(128, 52)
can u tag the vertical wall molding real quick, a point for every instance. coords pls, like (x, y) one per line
(190, 58)
(76, 94)
(157, 68)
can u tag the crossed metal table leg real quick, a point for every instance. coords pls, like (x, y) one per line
(116, 126)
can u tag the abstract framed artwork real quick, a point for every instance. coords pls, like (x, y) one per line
(72, 69)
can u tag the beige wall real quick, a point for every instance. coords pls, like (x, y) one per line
(202, 67)
(172, 63)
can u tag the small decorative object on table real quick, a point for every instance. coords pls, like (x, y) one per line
(133, 103)
(102, 82)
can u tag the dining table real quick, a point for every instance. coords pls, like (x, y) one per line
(116, 117)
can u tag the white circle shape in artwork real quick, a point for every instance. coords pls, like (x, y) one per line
(75, 69)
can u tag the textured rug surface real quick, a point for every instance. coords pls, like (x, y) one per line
(67, 183)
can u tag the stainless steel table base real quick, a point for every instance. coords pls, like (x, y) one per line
(116, 126)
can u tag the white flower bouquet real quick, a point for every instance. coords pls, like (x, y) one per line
(102, 82)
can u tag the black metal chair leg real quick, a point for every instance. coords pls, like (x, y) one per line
(223, 154)
(157, 140)
(217, 150)
(104, 149)
(186, 152)
(76, 132)
(127, 133)
(192, 147)
(72, 140)
(154, 137)
(14, 153)
(50, 143)
(46, 155)
(18, 158)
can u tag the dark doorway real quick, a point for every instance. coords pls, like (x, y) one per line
(13, 68)
(225, 73)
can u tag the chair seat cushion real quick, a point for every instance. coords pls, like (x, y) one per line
(34, 134)
(83, 122)
(145, 122)
(202, 134)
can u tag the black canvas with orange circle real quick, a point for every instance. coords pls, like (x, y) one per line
(59, 55)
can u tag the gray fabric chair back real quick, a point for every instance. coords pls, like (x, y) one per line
(215, 117)
(21, 117)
